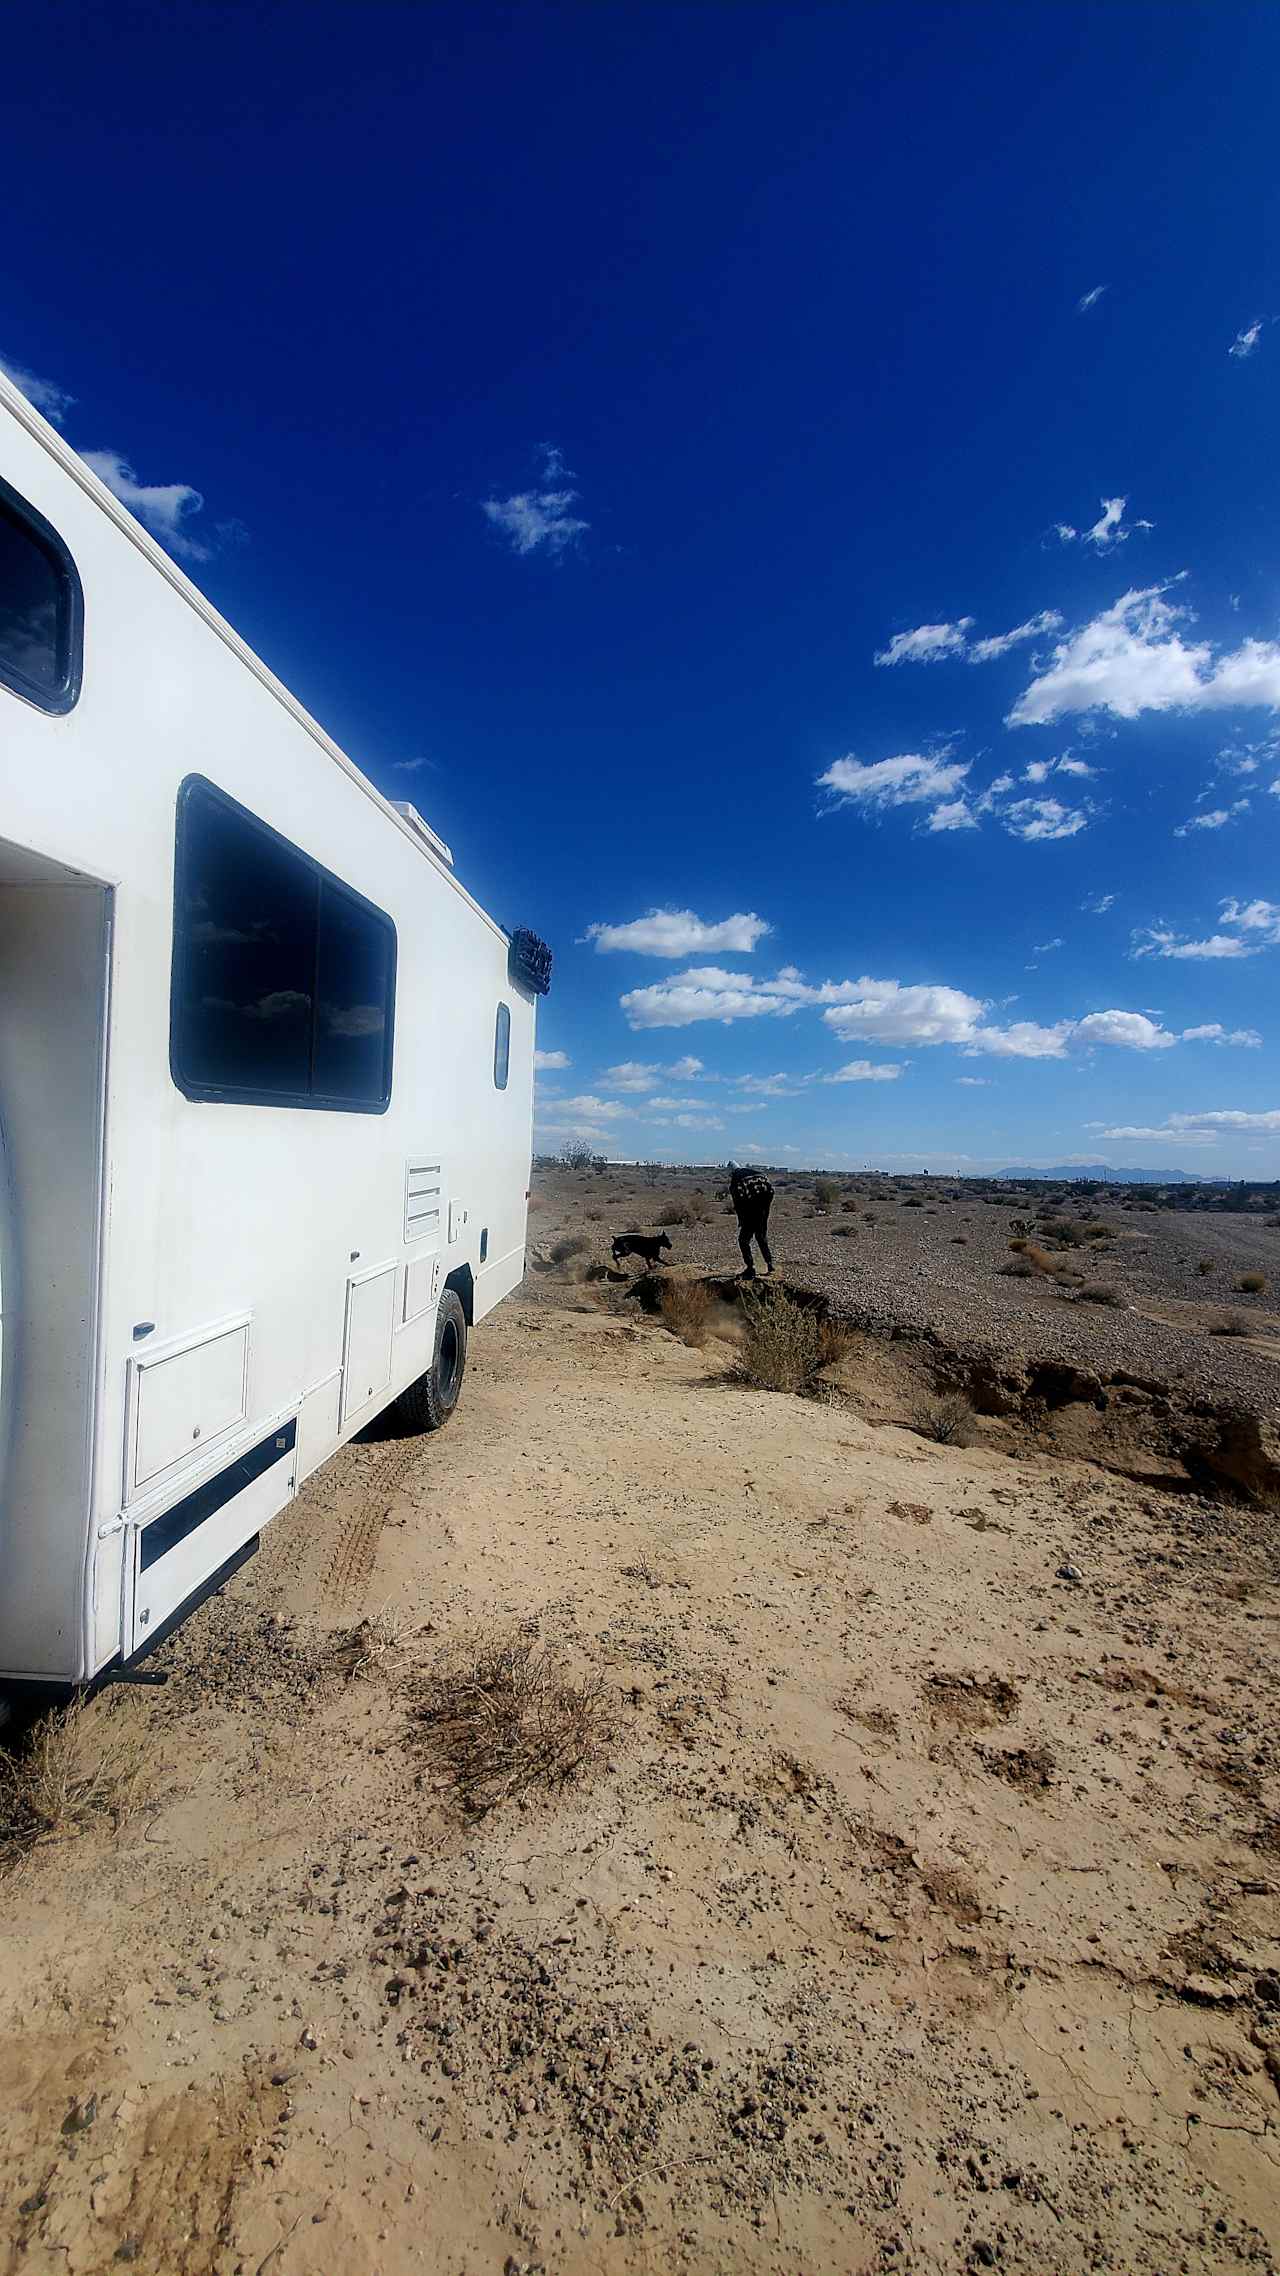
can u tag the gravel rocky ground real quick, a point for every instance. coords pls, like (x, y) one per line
(925, 1254)
(919, 1911)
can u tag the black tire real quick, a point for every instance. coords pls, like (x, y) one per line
(428, 1403)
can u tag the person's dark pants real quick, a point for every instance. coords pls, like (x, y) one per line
(753, 1225)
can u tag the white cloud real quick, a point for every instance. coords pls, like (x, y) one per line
(1090, 299)
(999, 644)
(769, 1086)
(884, 1011)
(591, 1108)
(1107, 531)
(45, 394)
(1045, 947)
(1132, 1031)
(685, 1069)
(1214, 818)
(677, 932)
(912, 779)
(1254, 917)
(164, 507)
(1132, 658)
(1023, 1040)
(546, 1059)
(1258, 918)
(698, 1122)
(632, 1075)
(974, 1082)
(705, 992)
(1099, 904)
(864, 1071)
(954, 815)
(539, 519)
(1203, 1127)
(1042, 819)
(1245, 342)
(928, 644)
(1214, 1032)
(670, 1103)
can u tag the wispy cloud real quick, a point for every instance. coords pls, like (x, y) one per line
(1247, 1038)
(632, 1075)
(914, 778)
(865, 1071)
(1206, 1125)
(678, 932)
(1046, 947)
(999, 644)
(165, 508)
(1108, 530)
(540, 520)
(45, 394)
(927, 644)
(1245, 342)
(1089, 300)
(1213, 818)
(1252, 926)
(1098, 904)
(1133, 658)
(1041, 820)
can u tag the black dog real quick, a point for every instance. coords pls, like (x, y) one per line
(642, 1245)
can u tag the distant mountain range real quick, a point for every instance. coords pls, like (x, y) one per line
(1103, 1173)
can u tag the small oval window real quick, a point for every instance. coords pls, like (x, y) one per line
(502, 1047)
(40, 609)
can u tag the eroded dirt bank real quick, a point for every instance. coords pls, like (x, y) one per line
(922, 1913)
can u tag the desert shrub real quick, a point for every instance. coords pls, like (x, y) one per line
(1065, 1231)
(675, 1213)
(1251, 1284)
(913, 1201)
(1018, 1269)
(1095, 1230)
(1020, 1226)
(786, 1345)
(826, 1193)
(850, 1203)
(1018, 1244)
(948, 1420)
(843, 1232)
(869, 1217)
(1100, 1292)
(1041, 1261)
(572, 1245)
(1234, 1324)
(700, 1207)
(501, 1719)
(1205, 1265)
(575, 1154)
(78, 1764)
(686, 1308)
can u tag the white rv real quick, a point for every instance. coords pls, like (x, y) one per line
(266, 1079)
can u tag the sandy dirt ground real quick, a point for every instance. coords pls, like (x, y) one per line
(922, 1913)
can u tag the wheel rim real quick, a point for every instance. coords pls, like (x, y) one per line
(449, 1365)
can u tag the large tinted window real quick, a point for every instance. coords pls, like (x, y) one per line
(283, 978)
(502, 1046)
(39, 609)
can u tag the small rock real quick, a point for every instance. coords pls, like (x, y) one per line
(81, 2115)
(308, 2040)
(1267, 1988)
(1066, 1573)
(1206, 1991)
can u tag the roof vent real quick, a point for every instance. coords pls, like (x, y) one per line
(422, 829)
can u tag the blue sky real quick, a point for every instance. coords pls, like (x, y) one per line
(809, 472)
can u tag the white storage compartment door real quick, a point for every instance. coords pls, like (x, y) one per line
(183, 1398)
(366, 1363)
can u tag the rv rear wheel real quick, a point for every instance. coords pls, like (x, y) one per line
(428, 1403)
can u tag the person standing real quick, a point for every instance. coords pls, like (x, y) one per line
(752, 1198)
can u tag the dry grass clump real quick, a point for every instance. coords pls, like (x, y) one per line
(1233, 1324)
(686, 1310)
(501, 1719)
(843, 1232)
(1018, 1268)
(76, 1765)
(786, 1346)
(1252, 1284)
(948, 1420)
(1100, 1292)
(572, 1245)
(826, 1193)
(700, 1207)
(675, 1213)
(850, 1203)
(1205, 1265)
